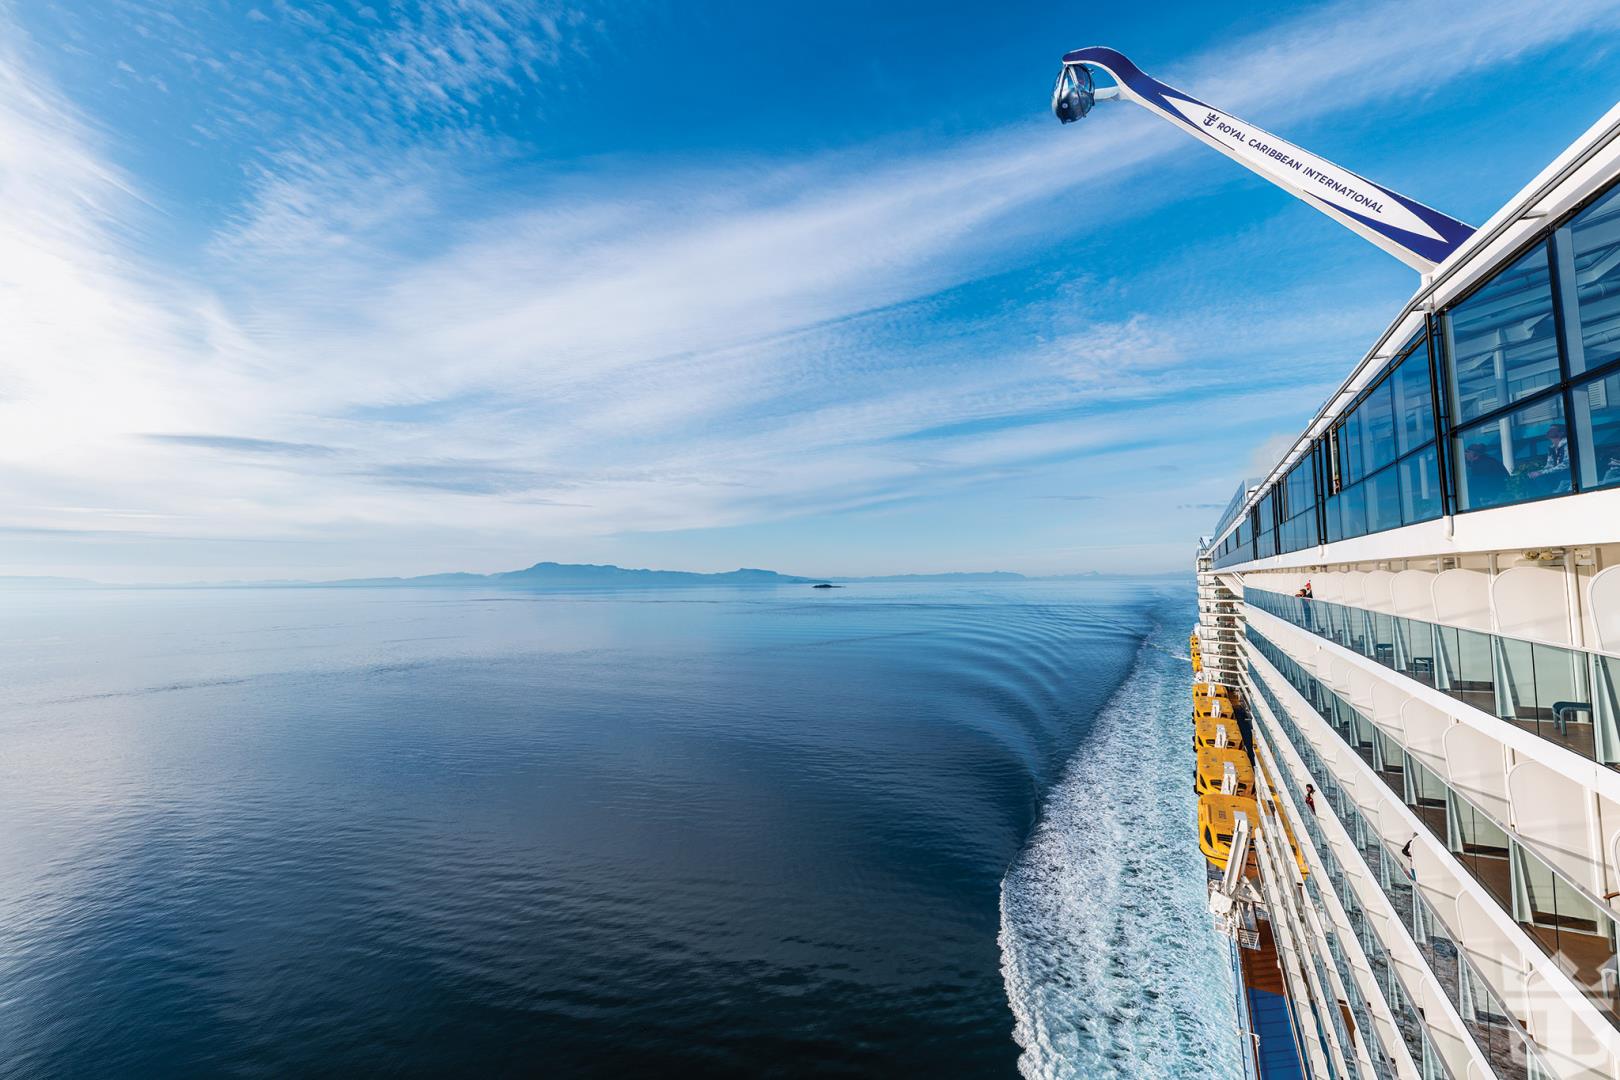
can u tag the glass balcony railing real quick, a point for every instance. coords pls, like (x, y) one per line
(1569, 926)
(1566, 696)
(1407, 1019)
(1383, 1064)
(1501, 1040)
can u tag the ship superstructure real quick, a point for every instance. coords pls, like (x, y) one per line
(1414, 622)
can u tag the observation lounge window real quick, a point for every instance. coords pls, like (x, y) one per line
(1420, 486)
(1352, 512)
(1503, 340)
(1523, 454)
(1596, 418)
(1350, 454)
(1414, 402)
(1589, 281)
(1383, 495)
(1375, 416)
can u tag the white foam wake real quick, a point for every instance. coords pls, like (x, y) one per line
(1109, 960)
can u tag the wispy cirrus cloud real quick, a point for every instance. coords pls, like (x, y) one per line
(239, 444)
(633, 345)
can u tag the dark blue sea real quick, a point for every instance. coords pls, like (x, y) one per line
(881, 830)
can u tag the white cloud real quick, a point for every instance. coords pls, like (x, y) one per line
(652, 349)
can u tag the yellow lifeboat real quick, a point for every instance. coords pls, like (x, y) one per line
(1213, 707)
(1213, 764)
(1217, 819)
(1208, 732)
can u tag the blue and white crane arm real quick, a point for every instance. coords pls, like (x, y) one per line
(1418, 235)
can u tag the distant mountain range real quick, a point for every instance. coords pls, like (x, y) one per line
(583, 575)
(589, 575)
(551, 575)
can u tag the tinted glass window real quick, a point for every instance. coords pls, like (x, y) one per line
(1502, 343)
(1420, 487)
(1377, 417)
(1299, 488)
(1353, 512)
(1596, 417)
(1589, 274)
(1414, 404)
(1350, 452)
(1383, 501)
(1522, 455)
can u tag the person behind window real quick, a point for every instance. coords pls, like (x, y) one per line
(1487, 480)
(1554, 474)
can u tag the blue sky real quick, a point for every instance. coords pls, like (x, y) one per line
(316, 290)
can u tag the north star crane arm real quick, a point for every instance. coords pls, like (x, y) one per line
(1419, 236)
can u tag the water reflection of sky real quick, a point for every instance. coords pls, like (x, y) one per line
(261, 830)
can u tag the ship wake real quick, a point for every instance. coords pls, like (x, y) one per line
(1110, 963)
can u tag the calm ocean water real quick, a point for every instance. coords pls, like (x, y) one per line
(883, 829)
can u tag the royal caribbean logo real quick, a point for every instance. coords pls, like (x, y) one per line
(1209, 121)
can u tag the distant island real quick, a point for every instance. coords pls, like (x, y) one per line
(589, 575)
(580, 575)
(554, 575)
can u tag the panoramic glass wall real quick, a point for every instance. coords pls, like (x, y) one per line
(1517, 398)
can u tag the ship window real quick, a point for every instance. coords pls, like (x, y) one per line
(1383, 501)
(1589, 279)
(1521, 455)
(1420, 486)
(1335, 476)
(1376, 418)
(1350, 459)
(1414, 404)
(1503, 344)
(1596, 417)
(1352, 512)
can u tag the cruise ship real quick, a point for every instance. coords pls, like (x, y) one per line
(1406, 665)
